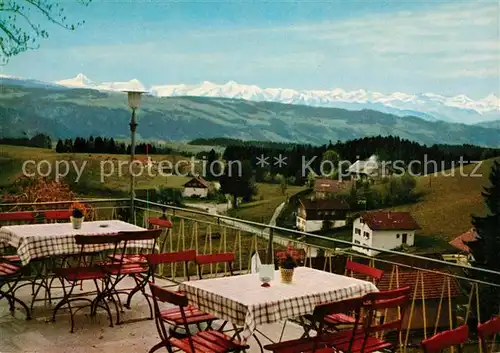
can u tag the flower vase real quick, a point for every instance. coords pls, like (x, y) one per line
(286, 275)
(76, 222)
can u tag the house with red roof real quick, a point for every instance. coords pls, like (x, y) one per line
(383, 229)
(323, 188)
(196, 187)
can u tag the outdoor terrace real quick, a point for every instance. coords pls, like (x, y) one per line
(444, 295)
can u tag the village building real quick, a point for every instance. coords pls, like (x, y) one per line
(318, 214)
(384, 230)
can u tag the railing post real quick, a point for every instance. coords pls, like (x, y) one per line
(270, 255)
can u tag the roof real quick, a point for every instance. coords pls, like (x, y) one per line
(200, 180)
(330, 185)
(366, 167)
(433, 284)
(328, 204)
(389, 220)
(460, 241)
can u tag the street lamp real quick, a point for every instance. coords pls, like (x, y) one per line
(134, 101)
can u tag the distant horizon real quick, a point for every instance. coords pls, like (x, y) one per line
(449, 47)
(221, 83)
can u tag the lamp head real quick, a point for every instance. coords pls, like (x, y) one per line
(134, 98)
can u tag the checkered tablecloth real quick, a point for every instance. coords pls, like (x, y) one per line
(242, 301)
(41, 240)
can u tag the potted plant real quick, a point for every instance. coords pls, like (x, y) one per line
(77, 215)
(287, 266)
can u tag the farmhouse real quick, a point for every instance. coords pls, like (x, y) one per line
(324, 188)
(385, 230)
(460, 243)
(314, 215)
(195, 187)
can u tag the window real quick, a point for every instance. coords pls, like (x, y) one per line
(397, 236)
(366, 235)
(361, 221)
(356, 242)
(405, 238)
(357, 231)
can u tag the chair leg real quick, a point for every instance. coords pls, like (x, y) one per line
(162, 344)
(12, 300)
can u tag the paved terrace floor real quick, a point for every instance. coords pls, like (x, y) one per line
(136, 334)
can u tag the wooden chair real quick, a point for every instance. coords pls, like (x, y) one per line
(212, 259)
(367, 340)
(10, 275)
(446, 339)
(321, 342)
(487, 330)
(210, 341)
(352, 267)
(86, 270)
(120, 266)
(57, 215)
(14, 218)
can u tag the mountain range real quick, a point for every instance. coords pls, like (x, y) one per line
(429, 106)
(32, 106)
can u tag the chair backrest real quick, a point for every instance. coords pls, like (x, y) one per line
(446, 339)
(227, 258)
(170, 258)
(148, 234)
(322, 310)
(57, 215)
(21, 216)
(163, 295)
(365, 270)
(373, 303)
(488, 329)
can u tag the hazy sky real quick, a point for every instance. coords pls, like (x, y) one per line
(446, 47)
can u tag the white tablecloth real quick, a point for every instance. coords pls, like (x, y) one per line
(242, 301)
(40, 240)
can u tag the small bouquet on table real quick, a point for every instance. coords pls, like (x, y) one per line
(78, 212)
(287, 265)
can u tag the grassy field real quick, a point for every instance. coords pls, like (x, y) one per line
(268, 198)
(99, 171)
(448, 202)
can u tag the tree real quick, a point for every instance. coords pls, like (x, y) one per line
(60, 146)
(330, 161)
(485, 250)
(169, 196)
(237, 180)
(282, 181)
(19, 27)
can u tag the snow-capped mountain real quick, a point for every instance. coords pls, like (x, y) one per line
(429, 106)
(82, 81)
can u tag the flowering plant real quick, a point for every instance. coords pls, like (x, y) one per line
(79, 210)
(289, 258)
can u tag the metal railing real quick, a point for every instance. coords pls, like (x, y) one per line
(445, 294)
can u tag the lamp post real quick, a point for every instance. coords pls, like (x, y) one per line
(134, 101)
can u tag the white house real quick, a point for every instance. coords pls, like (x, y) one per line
(314, 215)
(384, 230)
(195, 187)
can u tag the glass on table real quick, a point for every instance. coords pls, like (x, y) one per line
(266, 274)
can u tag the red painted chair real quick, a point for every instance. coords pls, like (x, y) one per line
(374, 274)
(321, 342)
(120, 267)
(163, 224)
(212, 259)
(173, 315)
(367, 339)
(210, 341)
(57, 215)
(85, 270)
(446, 339)
(13, 218)
(10, 275)
(487, 330)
